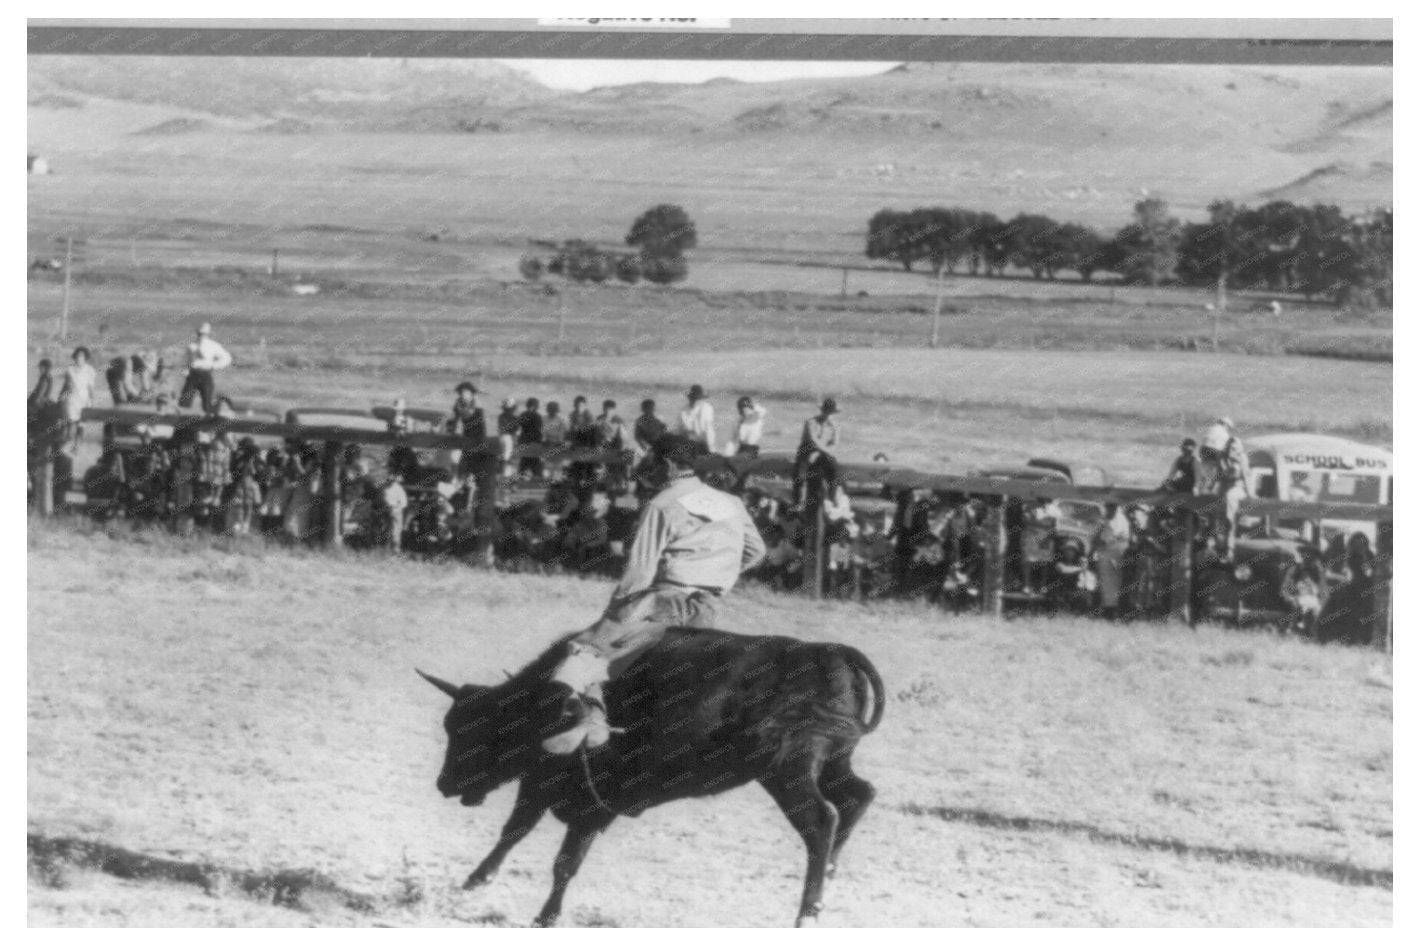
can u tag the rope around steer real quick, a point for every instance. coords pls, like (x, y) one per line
(587, 772)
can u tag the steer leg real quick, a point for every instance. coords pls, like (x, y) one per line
(795, 787)
(575, 845)
(526, 814)
(848, 793)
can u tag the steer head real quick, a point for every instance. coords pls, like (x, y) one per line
(493, 735)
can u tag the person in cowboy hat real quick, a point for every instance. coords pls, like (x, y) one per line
(697, 421)
(466, 414)
(691, 545)
(817, 446)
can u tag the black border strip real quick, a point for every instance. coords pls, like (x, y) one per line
(582, 44)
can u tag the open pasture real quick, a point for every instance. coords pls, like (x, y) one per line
(254, 710)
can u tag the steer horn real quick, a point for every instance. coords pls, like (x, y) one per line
(443, 686)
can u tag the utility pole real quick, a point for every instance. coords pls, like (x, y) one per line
(275, 256)
(1220, 305)
(64, 308)
(937, 310)
(561, 318)
(843, 291)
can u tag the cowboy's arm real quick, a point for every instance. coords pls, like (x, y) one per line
(644, 560)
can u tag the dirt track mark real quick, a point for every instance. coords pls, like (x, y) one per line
(297, 889)
(1336, 871)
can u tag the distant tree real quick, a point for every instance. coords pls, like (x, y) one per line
(628, 269)
(887, 238)
(1346, 260)
(981, 239)
(665, 230)
(1034, 244)
(994, 244)
(1282, 223)
(1084, 250)
(1146, 251)
(530, 267)
(664, 269)
(1233, 242)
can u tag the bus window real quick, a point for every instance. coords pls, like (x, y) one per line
(1347, 488)
(1265, 485)
(1305, 487)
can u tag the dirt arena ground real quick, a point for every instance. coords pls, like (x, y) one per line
(259, 712)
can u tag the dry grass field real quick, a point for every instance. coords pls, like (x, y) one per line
(259, 712)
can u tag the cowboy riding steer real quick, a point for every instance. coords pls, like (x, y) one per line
(701, 712)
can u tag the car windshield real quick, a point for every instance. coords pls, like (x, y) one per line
(1082, 512)
(1331, 486)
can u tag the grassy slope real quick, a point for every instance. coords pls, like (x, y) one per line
(1070, 140)
(259, 711)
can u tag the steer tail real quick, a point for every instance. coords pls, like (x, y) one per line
(860, 663)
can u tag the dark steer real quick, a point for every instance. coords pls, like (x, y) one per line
(702, 712)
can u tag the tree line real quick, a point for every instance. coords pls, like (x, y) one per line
(1316, 251)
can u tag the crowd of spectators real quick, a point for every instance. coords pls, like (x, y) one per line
(555, 514)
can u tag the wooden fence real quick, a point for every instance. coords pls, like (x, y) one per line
(487, 462)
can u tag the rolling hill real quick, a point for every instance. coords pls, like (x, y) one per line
(1080, 142)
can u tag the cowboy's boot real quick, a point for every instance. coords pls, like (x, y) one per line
(583, 672)
(591, 727)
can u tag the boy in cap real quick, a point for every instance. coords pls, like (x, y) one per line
(691, 545)
(749, 430)
(1185, 474)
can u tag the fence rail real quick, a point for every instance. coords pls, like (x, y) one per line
(486, 460)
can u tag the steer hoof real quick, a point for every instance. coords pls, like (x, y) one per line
(477, 879)
(809, 917)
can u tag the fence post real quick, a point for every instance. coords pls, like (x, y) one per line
(813, 550)
(1181, 568)
(994, 573)
(1382, 590)
(68, 271)
(937, 311)
(485, 509)
(330, 478)
(46, 483)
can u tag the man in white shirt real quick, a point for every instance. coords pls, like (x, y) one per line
(205, 357)
(697, 421)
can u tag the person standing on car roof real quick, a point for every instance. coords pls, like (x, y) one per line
(1225, 473)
